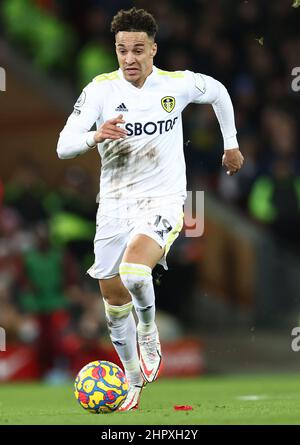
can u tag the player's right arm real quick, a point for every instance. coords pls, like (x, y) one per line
(76, 137)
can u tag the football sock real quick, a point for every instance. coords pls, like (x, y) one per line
(122, 330)
(137, 278)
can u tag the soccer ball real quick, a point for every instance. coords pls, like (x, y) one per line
(101, 387)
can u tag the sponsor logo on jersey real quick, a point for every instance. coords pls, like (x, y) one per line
(122, 107)
(150, 128)
(168, 103)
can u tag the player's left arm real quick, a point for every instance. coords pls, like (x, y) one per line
(208, 90)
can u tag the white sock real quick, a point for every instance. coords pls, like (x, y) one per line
(122, 330)
(132, 366)
(137, 278)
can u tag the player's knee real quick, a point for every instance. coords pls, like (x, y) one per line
(135, 277)
(114, 299)
(114, 292)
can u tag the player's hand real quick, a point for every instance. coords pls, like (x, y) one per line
(233, 160)
(111, 130)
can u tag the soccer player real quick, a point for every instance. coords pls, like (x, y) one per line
(137, 110)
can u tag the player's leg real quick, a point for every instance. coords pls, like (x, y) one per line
(149, 244)
(121, 325)
(109, 246)
(122, 330)
(140, 256)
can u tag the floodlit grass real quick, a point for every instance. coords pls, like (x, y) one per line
(229, 400)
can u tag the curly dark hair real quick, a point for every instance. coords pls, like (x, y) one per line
(133, 19)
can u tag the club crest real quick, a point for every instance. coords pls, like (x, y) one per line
(168, 103)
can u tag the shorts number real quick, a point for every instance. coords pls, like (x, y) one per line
(167, 226)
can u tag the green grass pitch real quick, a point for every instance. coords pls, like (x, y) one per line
(226, 400)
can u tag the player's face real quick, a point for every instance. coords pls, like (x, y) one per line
(135, 52)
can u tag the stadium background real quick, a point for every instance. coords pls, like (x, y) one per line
(231, 297)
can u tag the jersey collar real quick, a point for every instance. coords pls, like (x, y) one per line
(148, 82)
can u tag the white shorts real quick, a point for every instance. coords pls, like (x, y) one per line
(114, 234)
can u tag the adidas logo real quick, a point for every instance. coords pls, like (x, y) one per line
(121, 107)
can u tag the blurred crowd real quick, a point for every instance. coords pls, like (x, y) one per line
(45, 249)
(46, 235)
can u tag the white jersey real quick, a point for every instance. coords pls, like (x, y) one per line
(147, 167)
